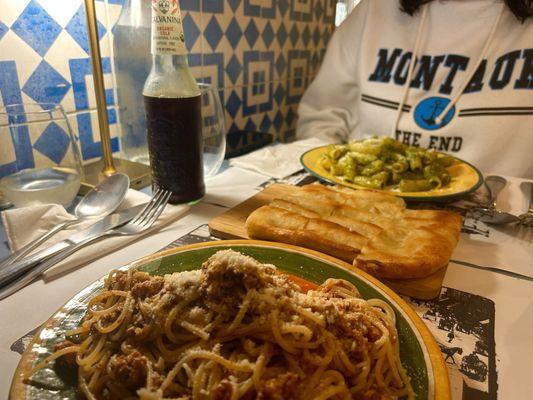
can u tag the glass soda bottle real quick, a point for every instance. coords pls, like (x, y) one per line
(172, 103)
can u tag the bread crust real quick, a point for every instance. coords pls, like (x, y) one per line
(277, 224)
(372, 230)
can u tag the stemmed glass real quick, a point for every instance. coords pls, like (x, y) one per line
(213, 130)
(39, 157)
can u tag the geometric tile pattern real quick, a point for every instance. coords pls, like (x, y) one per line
(45, 59)
(262, 54)
(77, 28)
(53, 142)
(3, 29)
(36, 27)
(46, 85)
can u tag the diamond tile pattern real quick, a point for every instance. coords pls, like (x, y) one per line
(283, 6)
(78, 29)
(233, 104)
(251, 33)
(294, 35)
(53, 143)
(191, 31)
(3, 29)
(280, 65)
(261, 53)
(282, 35)
(213, 33)
(234, 33)
(268, 35)
(234, 4)
(36, 27)
(46, 85)
(233, 69)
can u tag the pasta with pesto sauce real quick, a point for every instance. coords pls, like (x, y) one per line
(379, 162)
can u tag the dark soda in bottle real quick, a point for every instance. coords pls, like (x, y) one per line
(172, 102)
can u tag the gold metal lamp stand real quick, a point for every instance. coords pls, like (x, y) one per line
(94, 172)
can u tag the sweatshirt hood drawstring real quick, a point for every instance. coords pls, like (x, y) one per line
(412, 65)
(470, 74)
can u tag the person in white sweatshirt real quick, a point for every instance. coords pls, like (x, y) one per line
(469, 93)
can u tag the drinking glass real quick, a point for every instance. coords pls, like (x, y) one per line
(213, 130)
(39, 157)
(134, 143)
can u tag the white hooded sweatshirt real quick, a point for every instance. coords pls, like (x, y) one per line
(470, 92)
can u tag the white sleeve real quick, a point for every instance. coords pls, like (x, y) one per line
(325, 110)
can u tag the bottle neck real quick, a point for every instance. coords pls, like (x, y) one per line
(169, 62)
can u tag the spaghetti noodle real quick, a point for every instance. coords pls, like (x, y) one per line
(235, 329)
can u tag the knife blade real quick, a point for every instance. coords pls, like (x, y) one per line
(98, 228)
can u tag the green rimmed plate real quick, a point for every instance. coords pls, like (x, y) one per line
(465, 179)
(419, 352)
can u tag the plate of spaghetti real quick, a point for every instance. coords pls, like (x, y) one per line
(234, 320)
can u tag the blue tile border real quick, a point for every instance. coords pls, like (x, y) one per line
(89, 148)
(11, 94)
(297, 15)
(254, 10)
(297, 74)
(9, 83)
(79, 70)
(216, 59)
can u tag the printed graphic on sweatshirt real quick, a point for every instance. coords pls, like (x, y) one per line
(427, 111)
(513, 69)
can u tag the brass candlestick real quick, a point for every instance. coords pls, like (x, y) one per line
(94, 172)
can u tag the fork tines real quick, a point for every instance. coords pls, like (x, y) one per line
(153, 209)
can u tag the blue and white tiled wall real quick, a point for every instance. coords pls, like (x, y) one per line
(262, 54)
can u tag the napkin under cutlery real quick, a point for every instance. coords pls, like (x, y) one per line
(25, 224)
(277, 161)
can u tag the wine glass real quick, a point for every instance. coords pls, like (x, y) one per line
(39, 157)
(213, 130)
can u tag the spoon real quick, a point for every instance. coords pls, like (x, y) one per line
(491, 215)
(100, 201)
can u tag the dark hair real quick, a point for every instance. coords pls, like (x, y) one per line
(522, 9)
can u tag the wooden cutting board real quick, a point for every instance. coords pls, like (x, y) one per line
(230, 225)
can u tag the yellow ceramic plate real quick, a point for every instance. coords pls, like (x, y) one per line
(419, 352)
(465, 179)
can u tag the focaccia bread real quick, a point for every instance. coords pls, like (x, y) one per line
(373, 230)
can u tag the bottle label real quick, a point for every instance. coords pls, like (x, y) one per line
(167, 28)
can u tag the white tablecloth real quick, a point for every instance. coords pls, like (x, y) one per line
(513, 297)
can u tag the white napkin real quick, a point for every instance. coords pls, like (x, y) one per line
(28, 223)
(277, 161)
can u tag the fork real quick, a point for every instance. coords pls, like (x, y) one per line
(144, 220)
(526, 219)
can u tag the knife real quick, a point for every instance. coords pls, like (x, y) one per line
(98, 228)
